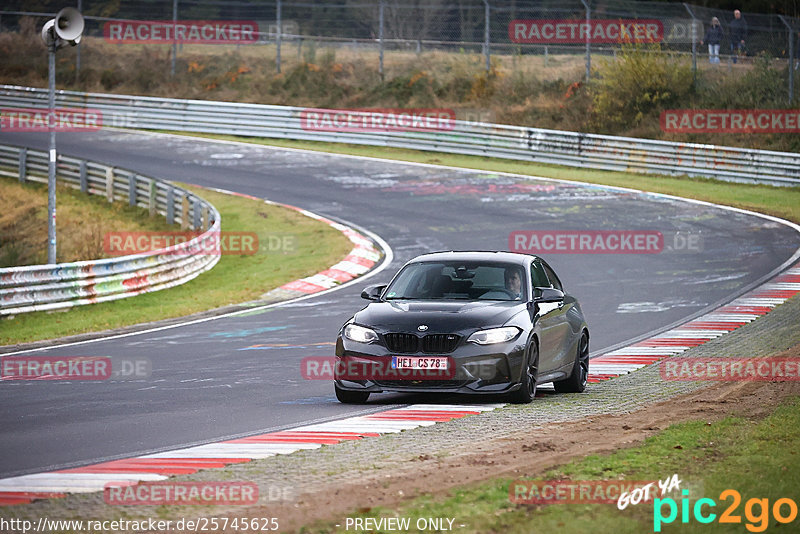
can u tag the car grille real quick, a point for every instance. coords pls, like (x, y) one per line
(402, 342)
(417, 384)
(431, 343)
(438, 343)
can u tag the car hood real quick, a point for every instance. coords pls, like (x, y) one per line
(438, 316)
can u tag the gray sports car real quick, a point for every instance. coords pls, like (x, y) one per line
(465, 322)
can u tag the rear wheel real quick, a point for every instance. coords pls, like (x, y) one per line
(530, 374)
(576, 382)
(351, 397)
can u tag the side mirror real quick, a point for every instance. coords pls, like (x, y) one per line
(547, 294)
(373, 292)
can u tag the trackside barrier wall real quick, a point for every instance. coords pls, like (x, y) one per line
(590, 151)
(64, 285)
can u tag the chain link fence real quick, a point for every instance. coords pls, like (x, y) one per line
(531, 34)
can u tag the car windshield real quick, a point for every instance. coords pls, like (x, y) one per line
(458, 280)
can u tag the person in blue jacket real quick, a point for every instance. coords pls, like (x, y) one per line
(713, 37)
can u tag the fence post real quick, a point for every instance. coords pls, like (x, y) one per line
(174, 37)
(380, 38)
(152, 198)
(23, 164)
(791, 58)
(185, 212)
(170, 206)
(84, 178)
(694, 42)
(132, 189)
(195, 214)
(486, 33)
(278, 34)
(588, 33)
(110, 184)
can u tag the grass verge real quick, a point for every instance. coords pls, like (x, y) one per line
(744, 455)
(235, 279)
(781, 202)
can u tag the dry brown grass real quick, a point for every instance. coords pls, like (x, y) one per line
(81, 223)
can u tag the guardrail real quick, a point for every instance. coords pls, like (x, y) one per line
(482, 139)
(48, 287)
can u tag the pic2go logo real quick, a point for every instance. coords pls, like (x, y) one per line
(756, 511)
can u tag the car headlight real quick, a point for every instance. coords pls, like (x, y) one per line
(360, 334)
(494, 335)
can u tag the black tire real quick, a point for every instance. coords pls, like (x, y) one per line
(530, 374)
(576, 382)
(351, 397)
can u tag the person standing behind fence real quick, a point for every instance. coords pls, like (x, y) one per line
(738, 35)
(713, 37)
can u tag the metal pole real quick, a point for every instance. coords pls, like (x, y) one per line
(486, 36)
(278, 38)
(174, 37)
(791, 58)
(694, 42)
(380, 37)
(51, 168)
(588, 33)
(78, 51)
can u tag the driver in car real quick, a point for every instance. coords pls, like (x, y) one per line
(513, 282)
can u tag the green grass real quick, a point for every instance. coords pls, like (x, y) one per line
(781, 202)
(235, 279)
(755, 458)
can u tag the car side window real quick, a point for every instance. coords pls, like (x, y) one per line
(538, 278)
(554, 281)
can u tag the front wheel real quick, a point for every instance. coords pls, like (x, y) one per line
(351, 397)
(530, 374)
(576, 382)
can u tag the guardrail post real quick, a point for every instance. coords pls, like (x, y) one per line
(152, 198)
(185, 212)
(195, 214)
(83, 177)
(204, 213)
(170, 206)
(132, 189)
(110, 184)
(23, 164)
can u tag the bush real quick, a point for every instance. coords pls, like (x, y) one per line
(637, 86)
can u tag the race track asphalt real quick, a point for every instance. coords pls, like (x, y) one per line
(241, 375)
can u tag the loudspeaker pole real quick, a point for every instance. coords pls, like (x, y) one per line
(51, 169)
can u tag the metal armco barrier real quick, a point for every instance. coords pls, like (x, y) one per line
(511, 142)
(48, 287)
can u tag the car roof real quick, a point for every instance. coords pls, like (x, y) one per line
(475, 255)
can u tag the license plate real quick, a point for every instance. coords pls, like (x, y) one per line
(412, 362)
